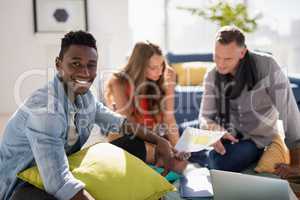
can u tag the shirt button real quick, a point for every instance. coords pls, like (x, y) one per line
(239, 107)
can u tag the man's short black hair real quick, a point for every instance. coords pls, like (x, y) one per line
(228, 34)
(76, 38)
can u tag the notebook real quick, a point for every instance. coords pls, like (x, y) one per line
(196, 183)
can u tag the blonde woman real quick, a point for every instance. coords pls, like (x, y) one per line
(143, 91)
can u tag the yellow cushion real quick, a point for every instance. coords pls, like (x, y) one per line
(110, 173)
(276, 152)
(191, 73)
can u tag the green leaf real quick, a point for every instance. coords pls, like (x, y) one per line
(223, 13)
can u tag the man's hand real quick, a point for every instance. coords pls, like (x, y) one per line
(182, 155)
(286, 171)
(164, 152)
(170, 162)
(219, 147)
(82, 195)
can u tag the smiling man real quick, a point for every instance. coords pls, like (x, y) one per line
(246, 94)
(56, 121)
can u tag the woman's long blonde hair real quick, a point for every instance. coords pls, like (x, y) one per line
(134, 73)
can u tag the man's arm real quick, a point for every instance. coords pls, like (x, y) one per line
(284, 100)
(208, 111)
(45, 133)
(164, 150)
(109, 121)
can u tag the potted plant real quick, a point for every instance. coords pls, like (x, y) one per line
(223, 13)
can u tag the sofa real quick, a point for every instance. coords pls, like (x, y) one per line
(188, 98)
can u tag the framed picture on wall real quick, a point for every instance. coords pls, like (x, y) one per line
(59, 15)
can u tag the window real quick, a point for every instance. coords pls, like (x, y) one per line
(178, 31)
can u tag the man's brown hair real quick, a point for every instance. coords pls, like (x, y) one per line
(228, 34)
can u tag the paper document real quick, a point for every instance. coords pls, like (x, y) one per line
(194, 139)
(196, 183)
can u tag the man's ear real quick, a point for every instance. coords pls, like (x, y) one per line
(243, 52)
(57, 63)
(58, 67)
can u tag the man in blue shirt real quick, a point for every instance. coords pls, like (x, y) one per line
(56, 121)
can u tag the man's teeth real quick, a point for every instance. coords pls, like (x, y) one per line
(82, 82)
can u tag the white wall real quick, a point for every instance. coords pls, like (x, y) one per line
(22, 51)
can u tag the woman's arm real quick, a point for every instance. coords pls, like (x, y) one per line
(168, 102)
(172, 133)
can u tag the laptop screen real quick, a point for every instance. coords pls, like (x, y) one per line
(234, 186)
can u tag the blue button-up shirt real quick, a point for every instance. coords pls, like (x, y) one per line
(38, 131)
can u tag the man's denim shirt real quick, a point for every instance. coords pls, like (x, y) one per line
(37, 134)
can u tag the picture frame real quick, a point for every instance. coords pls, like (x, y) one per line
(59, 16)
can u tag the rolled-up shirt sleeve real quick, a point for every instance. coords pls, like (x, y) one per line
(45, 133)
(107, 120)
(208, 108)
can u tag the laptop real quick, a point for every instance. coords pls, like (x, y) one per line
(223, 185)
(236, 186)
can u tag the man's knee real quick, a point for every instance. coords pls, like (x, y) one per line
(134, 146)
(237, 157)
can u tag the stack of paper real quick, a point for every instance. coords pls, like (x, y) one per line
(194, 139)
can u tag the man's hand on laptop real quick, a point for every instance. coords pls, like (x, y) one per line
(219, 147)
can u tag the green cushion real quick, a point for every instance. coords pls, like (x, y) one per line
(110, 173)
(171, 176)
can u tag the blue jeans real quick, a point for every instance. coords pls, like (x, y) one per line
(237, 158)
